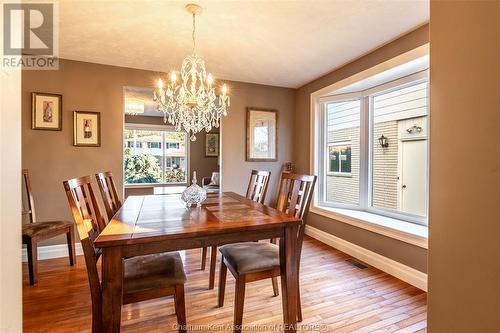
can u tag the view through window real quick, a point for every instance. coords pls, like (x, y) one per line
(343, 134)
(375, 150)
(154, 156)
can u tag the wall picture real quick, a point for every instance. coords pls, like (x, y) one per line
(86, 129)
(46, 111)
(212, 144)
(262, 134)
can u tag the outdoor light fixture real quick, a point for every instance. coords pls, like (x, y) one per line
(383, 141)
(414, 128)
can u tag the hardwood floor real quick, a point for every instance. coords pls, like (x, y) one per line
(336, 297)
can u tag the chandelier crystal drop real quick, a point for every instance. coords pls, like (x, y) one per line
(191, 103)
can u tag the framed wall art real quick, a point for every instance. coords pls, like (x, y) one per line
(46, 111)
(86, 129)
(262, 135)
(211, 144)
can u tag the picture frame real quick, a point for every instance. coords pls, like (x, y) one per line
(211, 144)
(262, 135)
(86, 129)
(46, 111)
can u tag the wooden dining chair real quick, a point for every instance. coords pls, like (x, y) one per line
(108, 193)
(253, 261)
(257, 186)
(144, 277)
(256, 191)
(35, 231)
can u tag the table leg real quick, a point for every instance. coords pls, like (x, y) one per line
(213, 264)
(288, 263)
(112, 284)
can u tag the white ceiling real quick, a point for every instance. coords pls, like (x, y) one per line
(283, 43)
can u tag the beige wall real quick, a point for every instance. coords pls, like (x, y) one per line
(407, 254)
(51, 157)
(464, 243)
(235, 170)
(204, 166)
(10, 206)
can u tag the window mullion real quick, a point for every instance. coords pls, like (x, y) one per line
(322, 158)
(364, 153)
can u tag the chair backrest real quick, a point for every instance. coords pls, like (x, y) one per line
(29, 194)
(257, 186)
(108, 193)
(294, 197)
(90, 223)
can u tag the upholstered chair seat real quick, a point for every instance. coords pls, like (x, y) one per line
(254, 261)
(144, 277)
(251, 257)
(256, 191)
(162, 270)
(36, 231)
(40, 228)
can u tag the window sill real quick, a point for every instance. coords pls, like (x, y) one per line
(401, 230)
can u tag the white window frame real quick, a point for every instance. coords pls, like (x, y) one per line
(158, 128)
(321, 147)
(338, 173)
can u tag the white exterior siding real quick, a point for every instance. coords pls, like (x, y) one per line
(409, 102)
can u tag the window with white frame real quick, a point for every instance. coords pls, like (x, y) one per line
(373, 149)
(339, 158)
(154, 155)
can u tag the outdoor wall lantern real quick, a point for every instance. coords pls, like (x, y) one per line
(383, 141)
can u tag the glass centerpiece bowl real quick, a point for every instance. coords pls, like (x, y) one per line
(194, 194)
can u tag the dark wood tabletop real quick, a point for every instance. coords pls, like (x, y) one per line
(165, 217)
(161, 223)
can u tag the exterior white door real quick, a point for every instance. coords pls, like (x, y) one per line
(413, 180)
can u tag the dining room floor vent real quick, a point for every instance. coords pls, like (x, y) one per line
(357, 263)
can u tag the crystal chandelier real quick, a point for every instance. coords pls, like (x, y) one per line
(191, 104)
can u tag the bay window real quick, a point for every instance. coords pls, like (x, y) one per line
(372, 152)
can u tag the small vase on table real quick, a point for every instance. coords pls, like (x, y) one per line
(194, 194)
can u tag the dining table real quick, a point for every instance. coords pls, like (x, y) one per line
(163, 223)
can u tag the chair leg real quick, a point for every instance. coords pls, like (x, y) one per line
(239, 301)
(213, 263)
(31, 247)
(275, 286)
(70, 238)
(299, 305)
(97, 318)
(222, 282)
(203, 258)
(180, 307)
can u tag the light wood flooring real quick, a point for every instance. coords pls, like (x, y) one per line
(336, 297)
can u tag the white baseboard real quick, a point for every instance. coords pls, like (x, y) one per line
(53, 251)
(394, 268)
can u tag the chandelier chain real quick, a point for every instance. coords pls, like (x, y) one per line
(194, 31)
